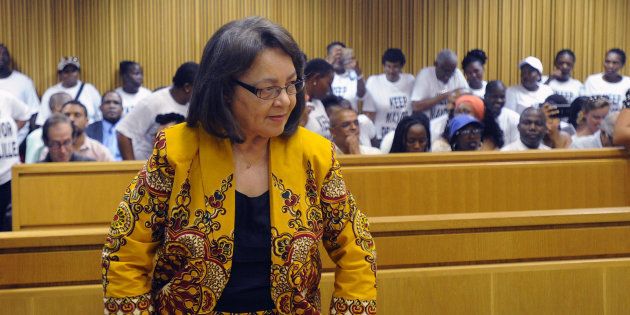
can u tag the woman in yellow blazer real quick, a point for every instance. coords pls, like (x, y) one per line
(228, 212)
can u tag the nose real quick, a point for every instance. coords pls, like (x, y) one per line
(283, 98)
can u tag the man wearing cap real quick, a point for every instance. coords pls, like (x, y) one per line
(68, 71)
(434, 84)
(531, 92)
(532, 128)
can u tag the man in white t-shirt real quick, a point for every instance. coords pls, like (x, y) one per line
(611, 83)
(388, 97)
(137, 130)
(532, 127)
(344, 128)
(507, 119)
(13, 115)
(348, 81)
(530, 92)
(19, 85)
(69, 70)
(433, 85)
(131, 90)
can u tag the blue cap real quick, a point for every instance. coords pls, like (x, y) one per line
(460, 121)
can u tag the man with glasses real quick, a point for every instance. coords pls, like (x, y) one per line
(136, 131)
(58, 135)
(84, 145)
(344, 128)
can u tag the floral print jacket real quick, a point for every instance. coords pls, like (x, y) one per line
(170, 245)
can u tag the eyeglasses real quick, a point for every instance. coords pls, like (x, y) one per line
(56, 145)
(467, 132)
(272, 92)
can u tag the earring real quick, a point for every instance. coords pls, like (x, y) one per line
(315, 83)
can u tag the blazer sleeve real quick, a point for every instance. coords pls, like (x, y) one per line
(136, 230)
(349, 244)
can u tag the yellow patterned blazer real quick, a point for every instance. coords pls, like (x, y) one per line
(170, 245)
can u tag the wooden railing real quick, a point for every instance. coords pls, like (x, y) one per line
(86, 194)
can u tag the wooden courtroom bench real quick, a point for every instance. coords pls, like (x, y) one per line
(474, 260)
(86, 194)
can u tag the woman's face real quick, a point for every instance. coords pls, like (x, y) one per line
(319, 86)
(265, 118)
(474, 74)
(565, 64)
(529, 77)
(416, 139)
(594, 118)
(469, 138)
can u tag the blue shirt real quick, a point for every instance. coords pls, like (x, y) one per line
(110, 140)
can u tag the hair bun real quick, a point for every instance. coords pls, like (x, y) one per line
(478, 54)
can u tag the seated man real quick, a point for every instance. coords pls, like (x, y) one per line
(58, 135)
(600, 139)
(104, 131)
(344, 128)
(83, 144)
(532, 127)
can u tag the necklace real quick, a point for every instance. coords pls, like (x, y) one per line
(240, 158)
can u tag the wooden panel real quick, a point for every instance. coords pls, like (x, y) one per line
(407, 184)
(569, 287)
(72, 256)
(163, 34)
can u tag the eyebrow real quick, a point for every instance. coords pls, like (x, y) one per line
(274, 80)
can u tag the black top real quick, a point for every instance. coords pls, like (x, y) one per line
(249, 287)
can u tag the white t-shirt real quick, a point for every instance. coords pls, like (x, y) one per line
(345, 85)
(520, 146)
(570, 89)
(11, 109)
(318, 121)
(140, 126)
(593, 141)
(22, 88)
(480, 92)
(508, 122)
(390, 101)
(437, 126)
(517, 98)
(616, 92)
(386, 143)
(90, 97)
(129, 100)
(427, 86)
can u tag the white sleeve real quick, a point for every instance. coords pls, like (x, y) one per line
(95, 99)
(510, 100)
(589, 88)
(137, 122)
(368, 101)
(44, 109)
(420, 88)
(19, 110)
(32, 100)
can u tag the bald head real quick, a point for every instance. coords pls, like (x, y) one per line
(446, 56)
(57, 100)
(445, 65)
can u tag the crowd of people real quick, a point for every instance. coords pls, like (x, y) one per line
(440, 109)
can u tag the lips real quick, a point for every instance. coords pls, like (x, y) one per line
(277, 117)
